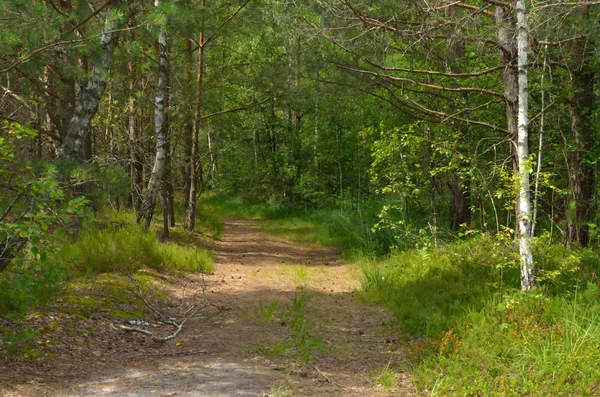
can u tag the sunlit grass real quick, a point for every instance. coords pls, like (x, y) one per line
(470, 331)
(115, 243)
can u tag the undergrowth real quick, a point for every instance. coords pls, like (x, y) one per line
(68, 274)
(124, 247)
(303, 344)
(470, 331)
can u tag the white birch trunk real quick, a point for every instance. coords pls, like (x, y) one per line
(149, 202)
(524, 219)
(78, 129)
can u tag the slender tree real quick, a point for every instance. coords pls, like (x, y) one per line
(160, 130)
(524, 211)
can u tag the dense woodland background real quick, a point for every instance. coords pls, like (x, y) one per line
(390, 126)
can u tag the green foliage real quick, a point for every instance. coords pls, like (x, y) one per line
(35, 208)
(100, 183)
(426, 289)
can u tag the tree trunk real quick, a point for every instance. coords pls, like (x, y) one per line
(169, 209)
(167, 183)
(188, 127)
(160, 127)
(524, 215)
(136, 161)
(135, 151)
(196, 163)
(506, 29)
(581, 178)
(460, 209)
(78, 129)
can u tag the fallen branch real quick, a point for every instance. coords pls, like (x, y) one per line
(140, 294)
(329, 380)
(162, 339)
(189, 313)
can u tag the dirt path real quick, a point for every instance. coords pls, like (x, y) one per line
(259, 342)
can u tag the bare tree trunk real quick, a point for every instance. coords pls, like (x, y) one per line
(212, 152)
(581, 178)
(540, 150)
(339, 159)
(188, 127)
(78, 129)
(196, 163)
(160, 127)
(135, 152)
(506, 29)
(167, 183)
(460, 208)
(524, 215)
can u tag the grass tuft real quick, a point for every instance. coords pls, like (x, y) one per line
(385, 377)
(125, 249)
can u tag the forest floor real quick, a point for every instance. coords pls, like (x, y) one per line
(283, 320)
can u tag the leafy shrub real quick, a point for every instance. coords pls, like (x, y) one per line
(34, 209)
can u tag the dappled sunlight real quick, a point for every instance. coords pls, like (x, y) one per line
(282, 318)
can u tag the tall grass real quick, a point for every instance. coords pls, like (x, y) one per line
(470, 331)
(126, 248)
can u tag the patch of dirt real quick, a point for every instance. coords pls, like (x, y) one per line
(230, 348)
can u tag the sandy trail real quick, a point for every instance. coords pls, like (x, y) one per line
(231, 351)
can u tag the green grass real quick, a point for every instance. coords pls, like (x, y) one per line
(384, 377)
(470, 331)
(267, 312)
(303, 344)
(127, 248)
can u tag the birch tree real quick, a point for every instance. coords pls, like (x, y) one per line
(160, 130)
(78, 129)
(524, 209)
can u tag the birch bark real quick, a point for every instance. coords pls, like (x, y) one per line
(78, 129)
(160, 129)
(524, 214)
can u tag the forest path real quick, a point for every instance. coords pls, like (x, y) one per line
(254, 345)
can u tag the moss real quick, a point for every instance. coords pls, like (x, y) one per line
(82, 305)
(125, 315)
(111, 294)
